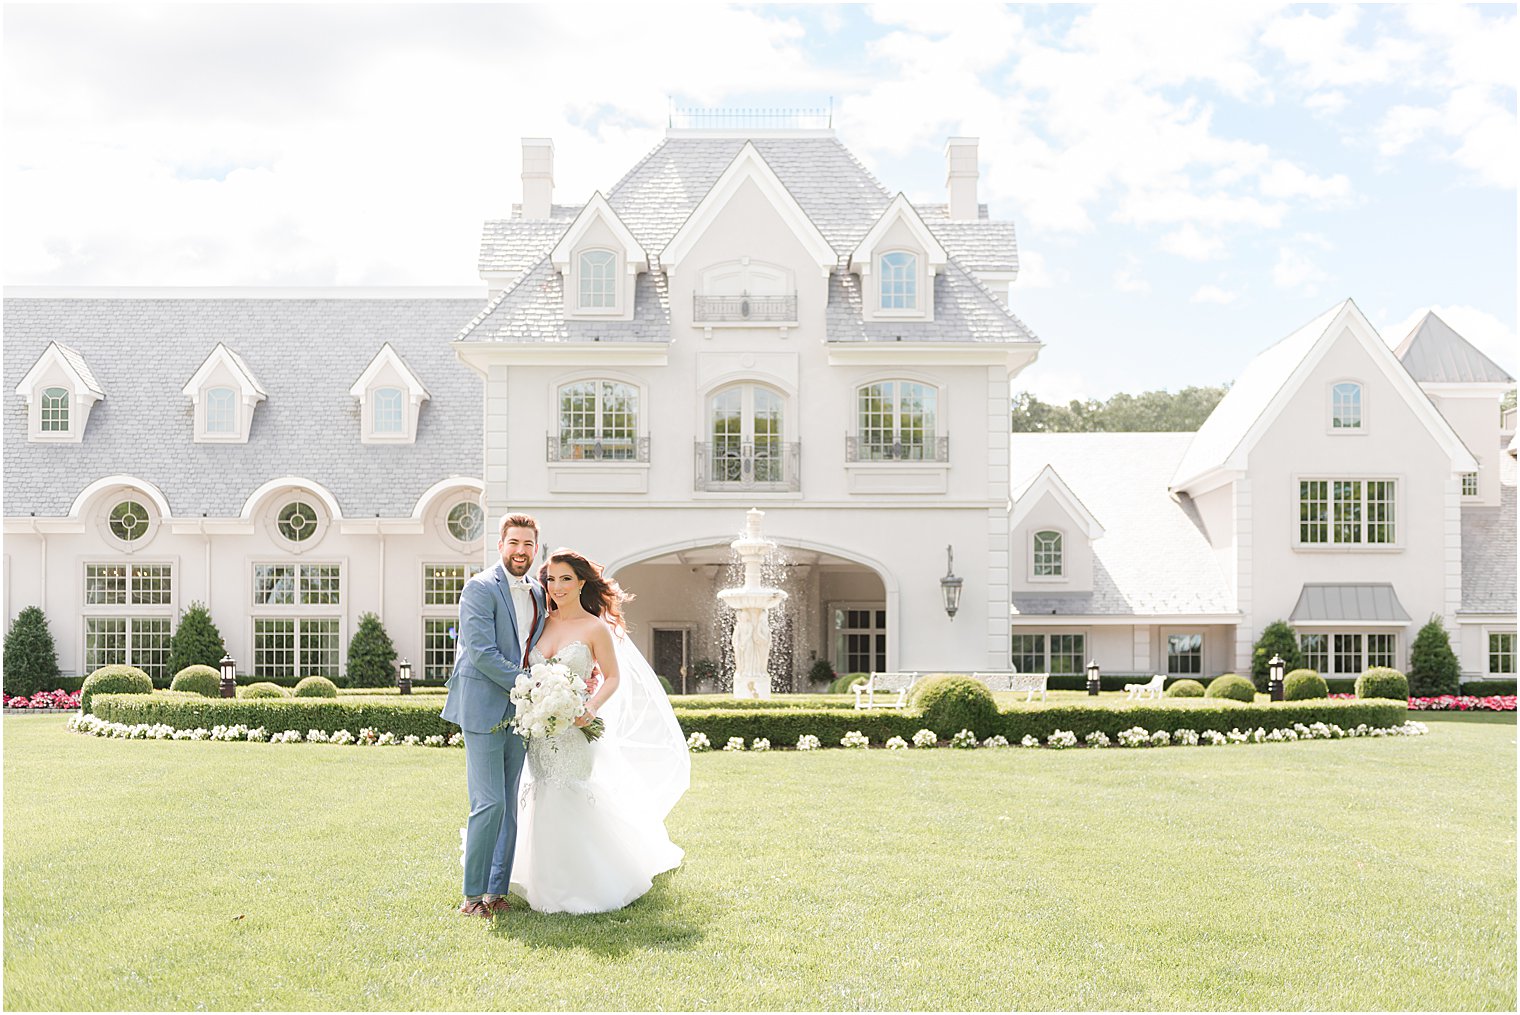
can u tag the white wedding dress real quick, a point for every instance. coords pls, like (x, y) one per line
(591, 814)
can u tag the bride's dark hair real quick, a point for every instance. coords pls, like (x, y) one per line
(600, 596)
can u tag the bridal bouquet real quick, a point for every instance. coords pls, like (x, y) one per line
(549, 698)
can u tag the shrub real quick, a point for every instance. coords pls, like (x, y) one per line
(31, 659)
(841, 684)
(196, 642)
(198, 679)
(1433, 668)
(114, 680)
(316, 687)
(1277, 638)
(1478, 688)
(665, 684)
(820, 674)
(1302, 684)
(371, 656)
(399, 716)
(1185, 689)
(264, 689)
(950, 704)
(1229, 685)
(1382, 682)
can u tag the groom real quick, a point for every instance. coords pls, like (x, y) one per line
(501, 614)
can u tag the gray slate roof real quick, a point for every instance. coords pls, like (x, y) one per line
(980, 245)
(75, 360)
(964, 311)
(533, 310)
(512, 246)
(1488, 556)
(1153, 559)
(306, 353)
(1434, 353)
(1362, 601)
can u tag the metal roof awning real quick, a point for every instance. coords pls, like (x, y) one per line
(1371, 603)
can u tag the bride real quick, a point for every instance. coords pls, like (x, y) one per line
(591, 818)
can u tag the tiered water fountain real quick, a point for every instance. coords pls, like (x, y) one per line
(752, 604)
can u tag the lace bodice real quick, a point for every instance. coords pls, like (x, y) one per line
(576, 655)
(564, 759)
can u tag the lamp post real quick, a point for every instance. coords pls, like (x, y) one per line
(404, 682)
(229, 677)
(950, 585)
(1093, 684)
(1275, 677)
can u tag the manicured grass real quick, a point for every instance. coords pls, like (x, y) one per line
(1354, 874)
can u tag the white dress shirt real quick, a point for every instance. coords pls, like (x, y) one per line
(522, 600)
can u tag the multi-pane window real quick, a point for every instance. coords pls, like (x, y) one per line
(55, 410)
(388, 418)
(440, 635)
(1028, 653)
(297, 585)
(746, 432)
(1347, 656)
(128, 616)
(1346, 512)
(1184, 654)
(129, 521)
(297, 521)
(1048, 562)
(899, 281)
(1501, 652)
(467, 521)
(897, 419)
(1382, 650)
(1469, 484)
(598, 280)
(860, 634)
(296, 646)
(1067, 653)
(1315, 650)
(1346, 406)
(598, 420)
(142, 642)
(221, 411)
(442, 585)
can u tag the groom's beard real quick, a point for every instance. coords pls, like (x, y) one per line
(518, 566)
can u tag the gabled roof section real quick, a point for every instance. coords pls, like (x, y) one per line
(83, 380)
(900, 210)
(749, 166)
(964, 311)
(597, 209)
(389, 357)
(223, 356)
(1269, 381)
(533, 310)
(1049, 481)
(1434, 353)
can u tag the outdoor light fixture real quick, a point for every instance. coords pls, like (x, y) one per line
(950, 585)
(1093, 684)
(229, 677)
(405, 680)
(1275, 681)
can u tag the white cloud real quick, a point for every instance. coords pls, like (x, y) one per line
(1286, 180)
(1326, 103)
(1188, 242)
(1214, 294)
(1127, 279)
(1324, 53)
(1034, 273)
(1295, 270)
(1053, 385)
(1493, 337)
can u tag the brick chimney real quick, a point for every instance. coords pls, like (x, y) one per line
(960, 178)
(537, 177)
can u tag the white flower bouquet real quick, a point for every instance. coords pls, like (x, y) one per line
(549, 698)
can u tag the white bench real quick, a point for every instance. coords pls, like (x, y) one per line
(1013, 680)
(1149, 689)
(884, 684)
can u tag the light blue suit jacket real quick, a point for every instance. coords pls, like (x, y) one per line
(490, 653)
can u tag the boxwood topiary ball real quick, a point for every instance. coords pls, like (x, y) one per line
(198, 679)
(1185, 689)
(114, 680)
(1230, 685)
(264, 689)
(316, 687)
(1383, 682)
(951, 704)
(1301, 684)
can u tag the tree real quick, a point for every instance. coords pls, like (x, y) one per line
(1277, 639)
(196, 642)
(31, 659)
(371, 656)
(1433, 668)
(1150, 411)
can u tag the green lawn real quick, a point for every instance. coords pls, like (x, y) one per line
(1353, 874)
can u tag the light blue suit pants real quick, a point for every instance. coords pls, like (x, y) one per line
(493, 768)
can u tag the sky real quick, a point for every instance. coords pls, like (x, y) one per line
(1189, 184)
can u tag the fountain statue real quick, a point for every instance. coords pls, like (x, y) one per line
(751, 605)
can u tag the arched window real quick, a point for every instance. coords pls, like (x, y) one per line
(746, 446)
(389, 418)
(129, 521)
(897, 420)
(1048, 562)
(221, 411)
(467, 521)
(598, 419)
(55, 410)
(899, 281)
(1346, 406)
(297, 521)
(598, 290)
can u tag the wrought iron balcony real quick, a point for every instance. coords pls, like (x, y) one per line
(762, 465)
(584, 449)
(778, 308)
(929, 449)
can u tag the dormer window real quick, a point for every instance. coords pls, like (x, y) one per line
(223, 393)
(221, 412)
(1048, 562)
(390, 399)
(388, 419)
(598, 262)
(55, 410)
(1346, 406)
(59, 390)
(899, 281)
(598, 280)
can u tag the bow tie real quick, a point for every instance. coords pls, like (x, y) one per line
(519, 583)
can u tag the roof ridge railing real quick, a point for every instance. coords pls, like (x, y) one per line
(752, 118)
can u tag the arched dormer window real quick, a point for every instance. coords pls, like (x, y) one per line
(389, 410)
(899, 281)
(55, 410)
(1047, 558)
(221, 412)
(598, 280)
(1346, 406)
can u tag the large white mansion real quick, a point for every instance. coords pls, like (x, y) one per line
(746, 319)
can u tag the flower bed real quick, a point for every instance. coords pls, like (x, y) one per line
(368, 736)
(52, 701)
(396, 715)
(1457, 703)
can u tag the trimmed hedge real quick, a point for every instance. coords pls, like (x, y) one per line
(286, 680)
(265, 690)
(198, 679)
(949, 704)
(1231, 686)
(1479, 688)
(399, 715)
(1185, 689)
(1301, 685)
(316, 687)
(1382, 682)
(114, 680)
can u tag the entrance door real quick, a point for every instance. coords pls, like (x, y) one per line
(670, 656)
(860, 637)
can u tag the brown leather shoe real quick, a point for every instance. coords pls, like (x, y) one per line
(475, 907)
(499, 907)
